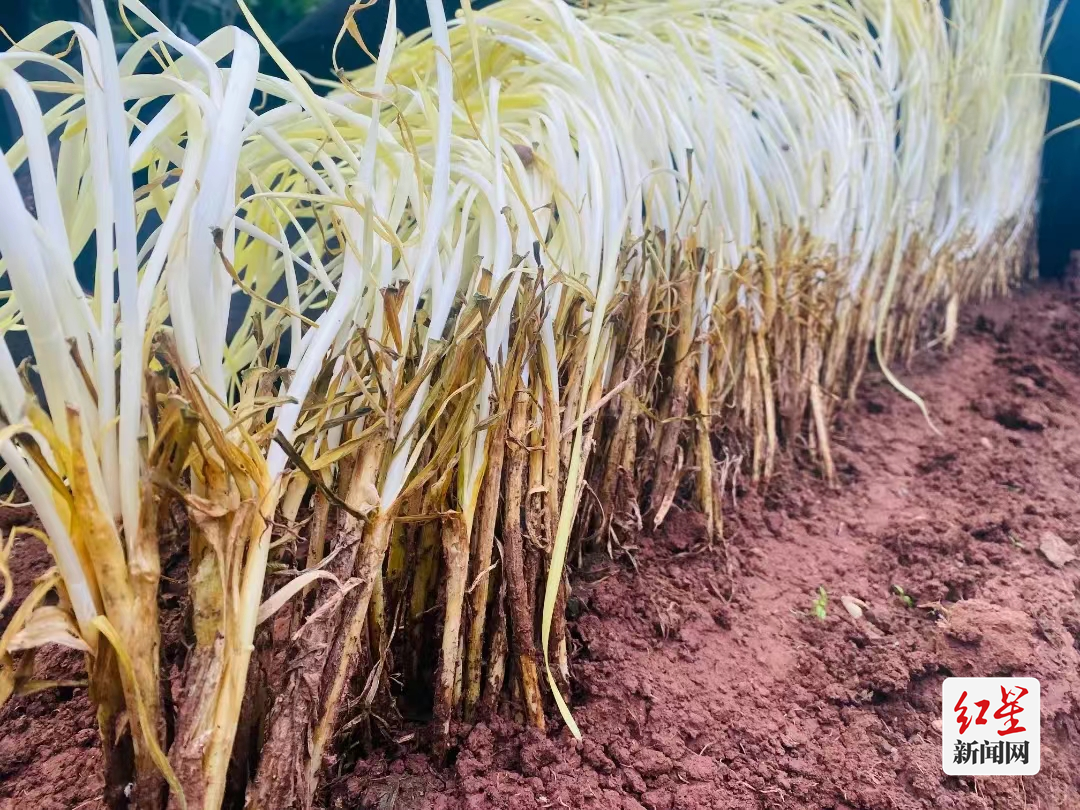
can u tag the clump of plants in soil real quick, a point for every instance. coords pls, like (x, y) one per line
(532, 277)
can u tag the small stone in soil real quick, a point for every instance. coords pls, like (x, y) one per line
(1057, 552)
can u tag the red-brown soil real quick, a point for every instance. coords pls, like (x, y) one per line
(49, 753)
(705, 681)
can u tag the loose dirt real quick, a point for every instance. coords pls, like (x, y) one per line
(704, 680)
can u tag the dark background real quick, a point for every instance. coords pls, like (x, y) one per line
(305, 31)
(1059, 218)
